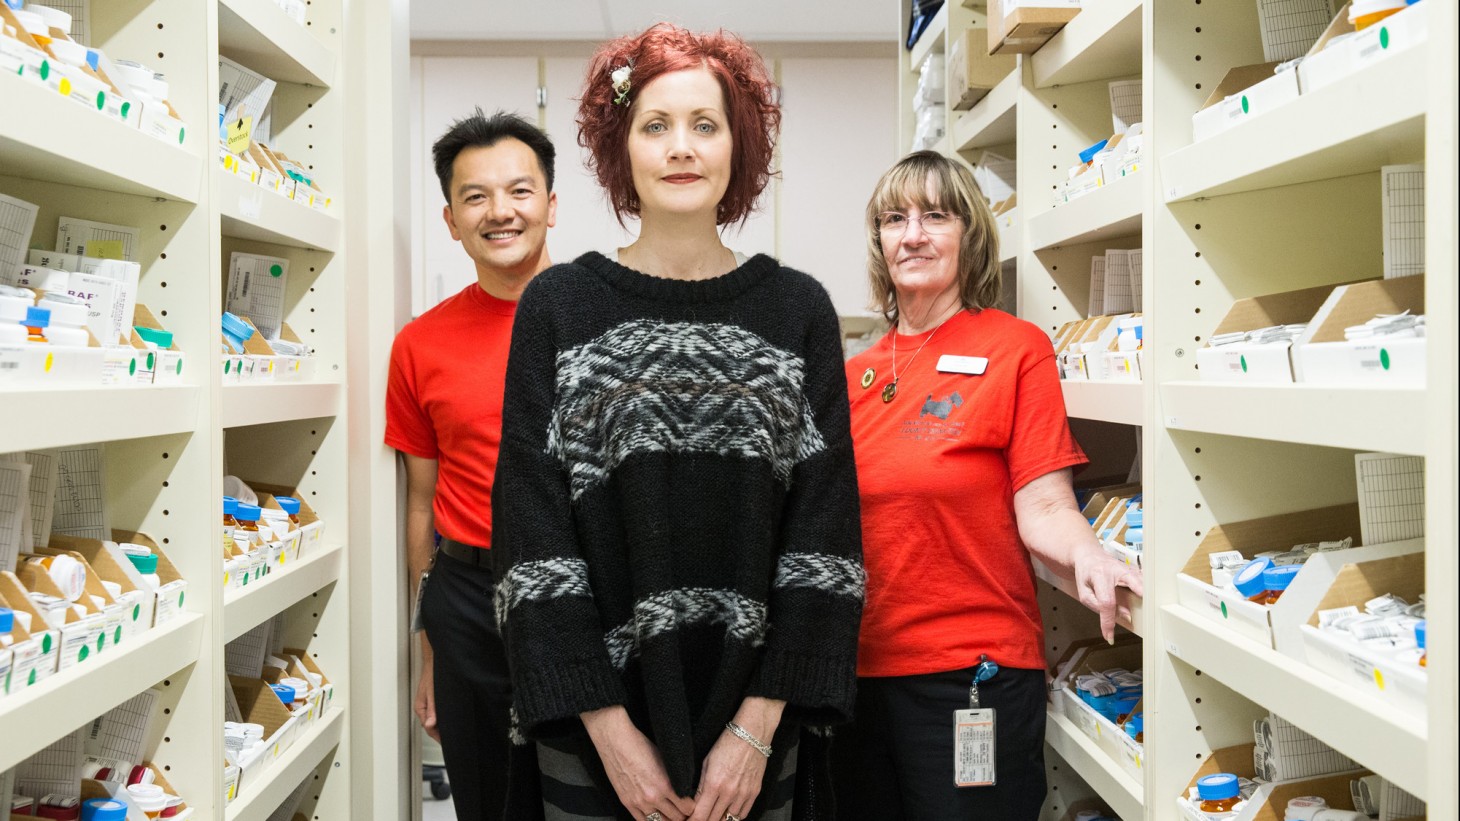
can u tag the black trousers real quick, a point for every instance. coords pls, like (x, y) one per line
(895, 761)
(473, 689)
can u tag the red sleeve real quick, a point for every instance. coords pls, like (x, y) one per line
(1040, 441)
(407, 426)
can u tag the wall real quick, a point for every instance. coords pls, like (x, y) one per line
(838, 136)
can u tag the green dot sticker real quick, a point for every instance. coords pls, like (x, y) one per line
(1383, 38)
(136, 612)
(151, 360)
(30, 681)
(46, 644)
(117, 637)
(276, 270)
(1224, 610)
(1245, 108)
(1384, 358)
(45, 69)
(84, 654)
(100, 100)
(132, 368)
(180, 597)
(179, 367)
(181, 133)
(1244, 364)
(227, 366)
(101, 641)
(126, 109)
(245, 580)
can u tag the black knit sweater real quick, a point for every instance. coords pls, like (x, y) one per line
(675, 516)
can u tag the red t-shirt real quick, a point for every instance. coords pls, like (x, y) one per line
(948, 577)
(444, 402)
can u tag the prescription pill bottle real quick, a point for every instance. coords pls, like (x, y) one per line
(7, 623)
(54, 18)
(147, 566)
(1218, 793)
(68, 320)
(1248, 580)
(103, 809)
(15, 303)
(149, 798)
(230, 524)
(36, 321)
(236, 332)
(154, 339)
(35, 25)
(1275, 580)
(1419, 638)
(1304, 807)
(290, 506)
(1365, 13)
(248, 536)
(68, 574)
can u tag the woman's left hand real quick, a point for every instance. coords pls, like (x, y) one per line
(733, 772)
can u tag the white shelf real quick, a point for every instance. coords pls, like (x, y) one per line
(931, 41)
(295, 765)
(1105, 213)
(1359, 124)
(258, 34)
(992, 121)
(1359, 418)
(245, 608)
(77, 415)
(1105, 401)
(281, 402)
(1116, 787)
(44, 136)
(1136, 622)
(35, 717)
(250, 211)
(1103, 42)
(1356, 724)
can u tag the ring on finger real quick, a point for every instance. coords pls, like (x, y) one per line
(654, 816)
(731, 817)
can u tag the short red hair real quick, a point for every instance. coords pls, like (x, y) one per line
(751, 106)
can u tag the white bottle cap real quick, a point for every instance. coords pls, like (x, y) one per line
(33, 23)
(68, 574)
(55, 18)
(69, 52)
(66, 311)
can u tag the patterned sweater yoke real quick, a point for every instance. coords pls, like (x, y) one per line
(676, 517)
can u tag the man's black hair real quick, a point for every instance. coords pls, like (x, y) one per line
(481, 131)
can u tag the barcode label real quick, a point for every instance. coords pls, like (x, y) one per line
(973, 748)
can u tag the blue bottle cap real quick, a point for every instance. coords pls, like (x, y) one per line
(1217, 787)
(235, 327)
(103, 809)
(7, 620)
(1248, 580)
(1089, 153)
(1419, 634)
(230, 506)
(1278, 578)
(1135, 536)
(37, 317)
(247, 512)
(1107, 533)
(284, 692)
(1135, 518)
(289, 504)
(146, 565)
(1135, 725)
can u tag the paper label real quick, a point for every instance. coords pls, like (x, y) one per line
(971, 365)
(973, 748)
(240, 134)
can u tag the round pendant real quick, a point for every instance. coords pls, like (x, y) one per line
(889, 392)
(867, 377)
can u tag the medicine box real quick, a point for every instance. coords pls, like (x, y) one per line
(326, 690)
(1277, 625)
(260, 705)
(1123, 366)
(1250, 362)
(310, 525)
(1329, 358)
(39, 657)
(172, 590)
(972, 71)
(80, 634)
(1328, 62)
(168, 364)
(1022, 26)
(111, 609)
(111, 564)
(1093, 657)
(1271, 799)
(1394, 679)
(1245, 92)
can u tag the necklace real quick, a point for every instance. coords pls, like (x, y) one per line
(889, 391)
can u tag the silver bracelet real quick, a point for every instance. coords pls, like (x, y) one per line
(744, 735)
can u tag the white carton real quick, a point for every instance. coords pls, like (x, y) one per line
(1394, 361)
(1330, 62)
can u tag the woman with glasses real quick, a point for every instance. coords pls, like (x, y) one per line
(964, 460)
(676, 497)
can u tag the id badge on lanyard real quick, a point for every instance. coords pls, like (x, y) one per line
(974, 734)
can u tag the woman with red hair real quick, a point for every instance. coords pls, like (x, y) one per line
(677, 524)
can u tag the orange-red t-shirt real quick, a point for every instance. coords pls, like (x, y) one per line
(948, 577)
(444, 402)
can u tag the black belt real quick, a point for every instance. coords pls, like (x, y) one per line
(468, 554)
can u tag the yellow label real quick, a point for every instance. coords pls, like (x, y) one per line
(1378, 678)
(106, 249)
(50, 361)
(239, 135)
(65, 87)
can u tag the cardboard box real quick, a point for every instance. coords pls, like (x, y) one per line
(112, 565)
(171, 593)
(1328, 62)
(1390, 361)
(327, 689)
(260, 705)
(972, 71)
(310, 525)
(1123, 366)
(1022, 26)
(1396, 680)
(1252, 363)
(1245, 92)
(1089, 656)
(166, 364)
(79, 635)
(1270, 800)
(38, 651)
(116, 614)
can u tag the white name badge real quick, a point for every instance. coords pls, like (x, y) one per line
(971, 365)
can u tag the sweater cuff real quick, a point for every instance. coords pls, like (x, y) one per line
(549, 701)
(817, 689)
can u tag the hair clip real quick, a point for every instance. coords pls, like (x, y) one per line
(621, 85)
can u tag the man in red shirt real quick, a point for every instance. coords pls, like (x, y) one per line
(444, 415)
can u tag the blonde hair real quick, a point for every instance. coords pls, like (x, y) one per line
(909, 183)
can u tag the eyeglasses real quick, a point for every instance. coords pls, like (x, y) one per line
(932, 222)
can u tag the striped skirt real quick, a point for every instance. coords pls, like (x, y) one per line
(575, 791)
